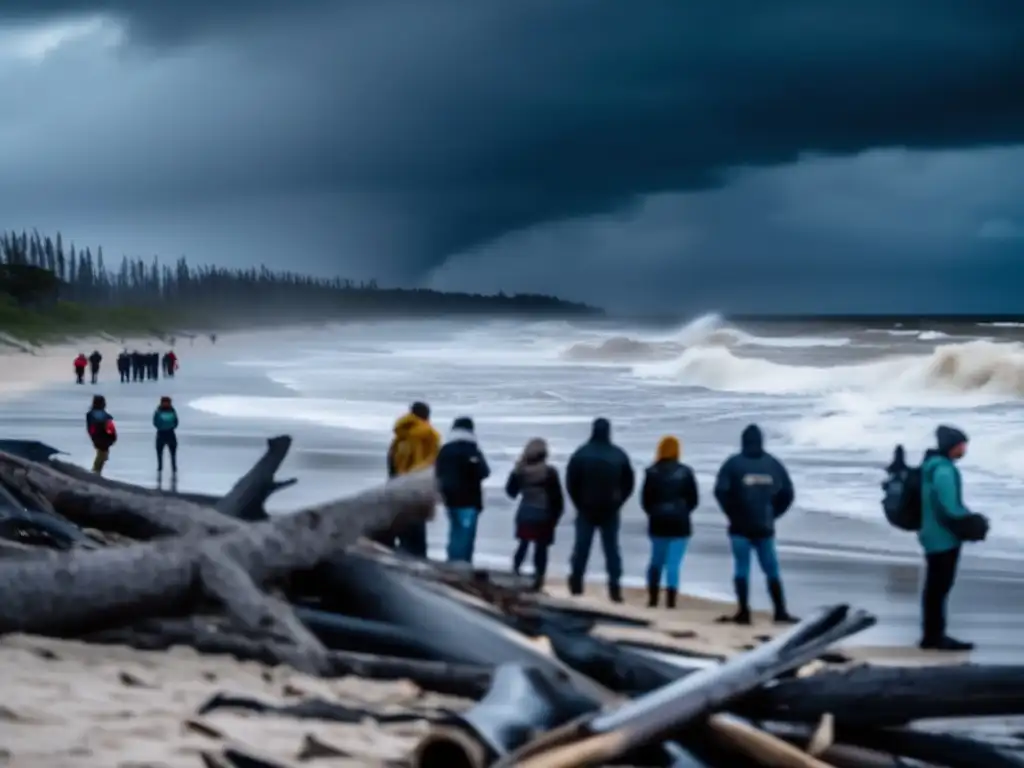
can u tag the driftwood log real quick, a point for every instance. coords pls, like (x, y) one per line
(218, 635)
(76, 591)
(91, 502)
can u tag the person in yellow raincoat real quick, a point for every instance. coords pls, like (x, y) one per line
(415, 445)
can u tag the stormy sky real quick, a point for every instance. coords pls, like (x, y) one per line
(659, 155)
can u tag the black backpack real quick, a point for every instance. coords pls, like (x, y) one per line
(902, 494)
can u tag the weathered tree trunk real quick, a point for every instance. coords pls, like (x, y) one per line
(885, 696)
(652, 718)
(245, 501)
(78, 591)
(452, 628)
(140, 513)
(216, 635)
(948, 750)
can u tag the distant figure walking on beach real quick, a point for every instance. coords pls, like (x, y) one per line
(165, 420)
(461, 469)
(153, 366)
(80, 363)
(415, 445)
(541, 505)
(124, 366)
(754, 490)
(599, 479)
(945, 524)
(170, 364)
(94, 364)
(668, 497)
(102, 431)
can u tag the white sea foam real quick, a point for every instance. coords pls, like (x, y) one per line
(985, 370)
(705, 331)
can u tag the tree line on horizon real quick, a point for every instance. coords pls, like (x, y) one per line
(36, 270)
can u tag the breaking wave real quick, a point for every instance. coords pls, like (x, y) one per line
(992, 369)
(706, 331)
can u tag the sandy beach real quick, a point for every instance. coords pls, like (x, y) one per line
(69, 704)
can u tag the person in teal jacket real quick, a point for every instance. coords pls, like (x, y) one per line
(165, 419)
(941, 500)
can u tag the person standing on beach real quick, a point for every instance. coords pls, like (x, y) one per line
(599, 479)
(124, 364)
(461, 469)
(136, 359)
(80, 363)
(541, 505)
(754, 490)
(943, 523)
(102, 431)
(165, 420)
(415, 446)
(94, 364)
(668, 497)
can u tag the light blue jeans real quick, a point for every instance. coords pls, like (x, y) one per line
(767, 557)
(461, 533)
(667, 558)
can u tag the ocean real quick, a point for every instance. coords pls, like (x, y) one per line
(833, 400)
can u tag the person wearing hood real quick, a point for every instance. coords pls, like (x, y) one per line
(101, 430)
(599, 479)
(80, 363)
(415, 446)
(941, 507)
(165, 421)
(541, 505)
(94, 364)
(461, 469)
(668, 498)
(754, 490)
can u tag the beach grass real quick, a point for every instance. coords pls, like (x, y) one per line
(65, 319)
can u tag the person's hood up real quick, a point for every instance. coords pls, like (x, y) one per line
(601, 431)
(412, 426)
(752, 441)
(947, 438)
(669, 449)
(536, 450)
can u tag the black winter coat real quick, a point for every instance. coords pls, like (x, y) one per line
(599, 478)
(753, 489)
(461, 469)
(668, 498)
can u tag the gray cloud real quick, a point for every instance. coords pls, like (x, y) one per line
(439, 126)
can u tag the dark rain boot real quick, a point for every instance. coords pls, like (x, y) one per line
(615, 593)
(742, 587)
(653, 587)
(576, 585)
(670, 597)
(779, 602)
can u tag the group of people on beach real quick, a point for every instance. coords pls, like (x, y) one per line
(102, 432)
(131, 366)
(752, 488)
(146, 366)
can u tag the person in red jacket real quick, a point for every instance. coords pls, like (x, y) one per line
(80, 362)
(102, 431)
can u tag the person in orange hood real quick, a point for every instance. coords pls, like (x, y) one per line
(415, 446)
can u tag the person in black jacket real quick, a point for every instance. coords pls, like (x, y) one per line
(461, 469)
(599, 480)
(754, 490)
(94, 364)
(668, 497)
(541, 504)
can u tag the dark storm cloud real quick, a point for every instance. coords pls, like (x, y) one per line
(467, 120)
